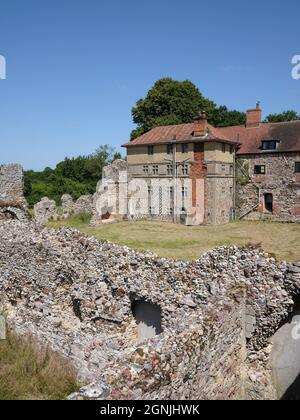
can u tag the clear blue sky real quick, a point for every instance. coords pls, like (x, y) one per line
(75, 68)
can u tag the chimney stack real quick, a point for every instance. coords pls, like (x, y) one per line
(201, 125)
(254, 117)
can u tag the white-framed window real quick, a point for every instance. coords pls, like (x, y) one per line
(169, 169)
(184, 192)
(155, 169)
(146, 169)
(185, 169)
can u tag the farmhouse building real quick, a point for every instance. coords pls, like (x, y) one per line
(265, 157)
(268, 169)
(198, 159)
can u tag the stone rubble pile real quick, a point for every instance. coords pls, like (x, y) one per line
(76, 293)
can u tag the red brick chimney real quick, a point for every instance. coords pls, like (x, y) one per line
(201, 125)
(254, 117)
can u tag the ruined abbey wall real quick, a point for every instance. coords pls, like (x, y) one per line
(76, 293)
(11, 186)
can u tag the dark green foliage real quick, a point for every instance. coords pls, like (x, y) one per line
(171, 102)
(283, 117)
(75, 176)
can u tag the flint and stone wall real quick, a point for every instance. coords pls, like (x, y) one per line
(280, 180)
(11, 186)
(75, 294)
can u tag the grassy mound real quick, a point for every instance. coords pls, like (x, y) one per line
(30, 373)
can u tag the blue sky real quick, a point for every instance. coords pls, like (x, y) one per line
(75, 68)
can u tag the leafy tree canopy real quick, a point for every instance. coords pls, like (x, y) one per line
(283, 117)
(171, 102)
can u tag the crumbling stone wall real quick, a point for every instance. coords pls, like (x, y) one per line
(67, 206)
(11, 186)
(203, 361)
(280, 180)
(45, 210)
(13, 204)
(107, 197)
(75, 293)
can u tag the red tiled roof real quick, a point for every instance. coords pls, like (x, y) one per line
(288, 134)
(250, 139)
(182, 133)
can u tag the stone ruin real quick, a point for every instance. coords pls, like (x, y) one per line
(45, 210)
(13, 204)
(137, 326)
(105, 200)
(84, 205)
(203, 331)
(101, 206)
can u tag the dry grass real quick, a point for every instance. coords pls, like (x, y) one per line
(182, 242)
(29, 373)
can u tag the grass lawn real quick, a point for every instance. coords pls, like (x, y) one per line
(182, 242)
(30, 373)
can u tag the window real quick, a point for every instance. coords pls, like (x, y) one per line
(150, 190)
(223, 148)
(223, 168)
(231, 169)
(185, 169)
(184, 192)
(170, 149)
(146, 170)
(269, 145)
(155, 169)
(171, 190)
(297, 167)
(259, 169)
(150, 150)
(151, 212)
(184, 148)
(171, 211)
(231, 150)
(169, 169)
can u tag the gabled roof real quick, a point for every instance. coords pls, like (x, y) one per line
(182, 133)
(249, 139)
(287, 133)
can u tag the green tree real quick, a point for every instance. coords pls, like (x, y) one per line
(171, 102)
(283, 117)
(75, 176)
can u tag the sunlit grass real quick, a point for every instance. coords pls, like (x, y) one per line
(30, 373)
(183, 242)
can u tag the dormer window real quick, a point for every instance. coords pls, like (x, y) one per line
(269, 144)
